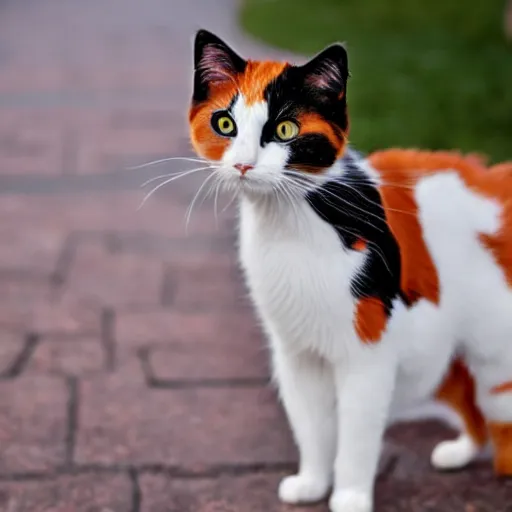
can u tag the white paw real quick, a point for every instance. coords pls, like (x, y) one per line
(454, 454)
(302, 489)
(350, 501)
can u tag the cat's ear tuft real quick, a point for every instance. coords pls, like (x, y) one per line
(214, 60)
(327, 72)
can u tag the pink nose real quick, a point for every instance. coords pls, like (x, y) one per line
(243, 168)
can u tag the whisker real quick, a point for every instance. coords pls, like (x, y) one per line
(289, 194)
(234, 196)
(216, 203)
(181, 173)
(346, 181)
(323, 192)
(194, 199)
(208, 192)
(160, 185)
(162, 160)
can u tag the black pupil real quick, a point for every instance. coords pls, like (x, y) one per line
(225, 124)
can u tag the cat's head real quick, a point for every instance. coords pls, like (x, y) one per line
(262, 122)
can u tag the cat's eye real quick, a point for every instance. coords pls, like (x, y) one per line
(224, 124)
(287, 130)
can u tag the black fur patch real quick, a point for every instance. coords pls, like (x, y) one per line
(313, 150)
(351, 204)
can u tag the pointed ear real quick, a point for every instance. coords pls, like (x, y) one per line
(214, 61)
(327, 72)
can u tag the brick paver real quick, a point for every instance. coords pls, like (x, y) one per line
(77, 493)
(33, 424)
(253, 492)
(133, 375)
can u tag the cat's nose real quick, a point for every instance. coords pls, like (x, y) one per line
(243, 168)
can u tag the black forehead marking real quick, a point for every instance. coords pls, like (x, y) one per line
(287, 96)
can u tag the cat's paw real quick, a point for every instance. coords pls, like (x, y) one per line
(454, 454)
(350, 501)
(299, 488)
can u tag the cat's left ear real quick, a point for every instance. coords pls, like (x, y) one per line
(214, 62)
(327, 72)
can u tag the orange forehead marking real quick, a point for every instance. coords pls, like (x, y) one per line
(311, 122)
(370, 319)
(257, 75)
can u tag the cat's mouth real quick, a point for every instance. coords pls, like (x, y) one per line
(262, 183)
(250, 183)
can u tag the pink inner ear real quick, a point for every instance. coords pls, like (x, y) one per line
(215, 65)
(327, 77)
(318, 81)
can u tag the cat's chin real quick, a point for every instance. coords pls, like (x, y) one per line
(250, 188)
(256, 189)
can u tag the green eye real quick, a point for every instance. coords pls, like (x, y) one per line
(223, 124)
(287, 130)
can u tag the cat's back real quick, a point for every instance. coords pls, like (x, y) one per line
(453, 217)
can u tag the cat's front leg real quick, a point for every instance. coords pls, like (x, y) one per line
(364, 385)
(306, 387)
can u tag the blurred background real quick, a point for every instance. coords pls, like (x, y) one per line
(433, 74)
(132, 374)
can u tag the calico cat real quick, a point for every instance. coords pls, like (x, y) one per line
(380, 280)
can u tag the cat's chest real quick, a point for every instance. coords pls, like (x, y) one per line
(297, 270)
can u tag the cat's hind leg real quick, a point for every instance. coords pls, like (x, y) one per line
(458, 392)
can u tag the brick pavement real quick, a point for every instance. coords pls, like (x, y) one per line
(133, 377)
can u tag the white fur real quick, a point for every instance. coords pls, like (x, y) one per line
(455, 454)
(337, 391)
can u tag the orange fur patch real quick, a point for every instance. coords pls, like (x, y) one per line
(204, 140)
(506, 387)
(505, 167)
(419, 277)
(359, 245)
(458, 391)
(501, 435)
(370, 319)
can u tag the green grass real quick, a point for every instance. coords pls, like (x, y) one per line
(424, 73)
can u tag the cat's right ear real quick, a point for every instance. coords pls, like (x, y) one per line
(214, 62)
